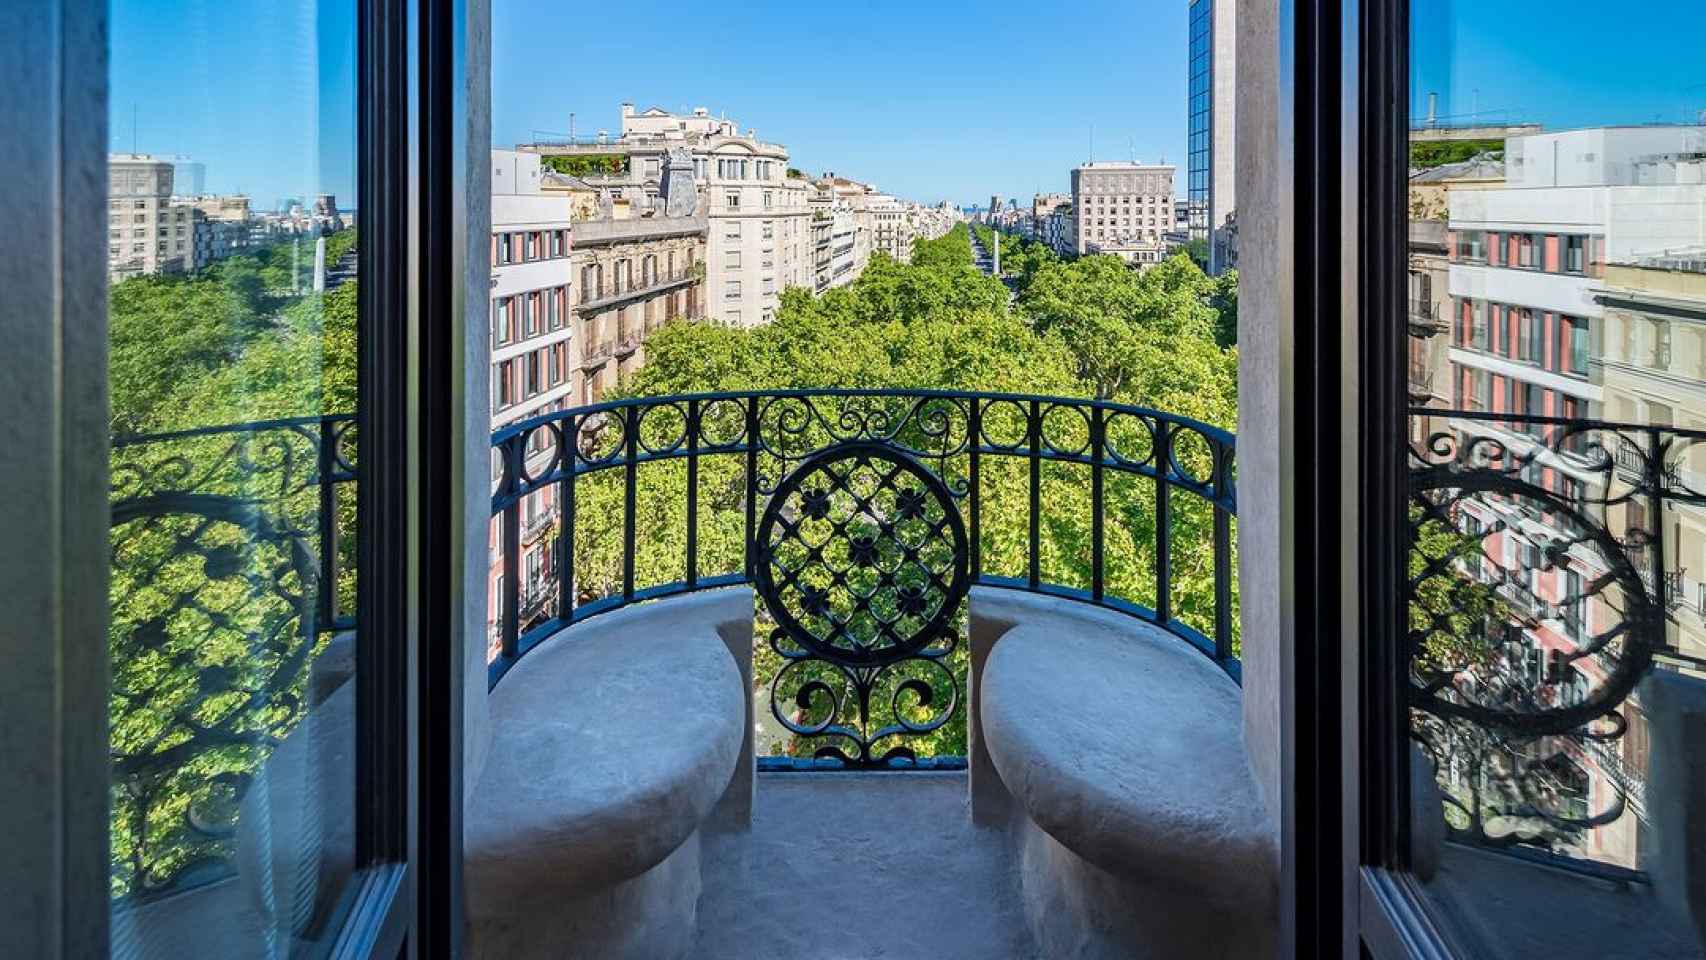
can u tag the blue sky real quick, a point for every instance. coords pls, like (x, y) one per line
(261, 91)
(931, 100)
(1563, 63)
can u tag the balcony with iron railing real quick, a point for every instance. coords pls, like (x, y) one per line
(1424, 317)
(602, 296)
(890, 538)
(873, 625)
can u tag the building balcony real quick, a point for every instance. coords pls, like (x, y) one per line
(609, 295)
(534, 528)
(594, 233)
(1425, 320)
(597, 355)
(847, 623)
(899, 665)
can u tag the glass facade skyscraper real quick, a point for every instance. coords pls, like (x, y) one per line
(1200, 151)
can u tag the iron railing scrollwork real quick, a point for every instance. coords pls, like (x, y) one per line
(862, 560)
(1119, 506)
(1534, 616)
(227, 582)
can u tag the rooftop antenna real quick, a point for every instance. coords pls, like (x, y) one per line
(133, 128)
(1092, 158)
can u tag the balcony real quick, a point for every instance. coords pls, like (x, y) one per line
(1425, 319)
(741, 730)
(534, 528)
(605, 296)
(857, 535)
(597, 355)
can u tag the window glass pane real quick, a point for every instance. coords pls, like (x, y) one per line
(233, 396)
(1558, 663)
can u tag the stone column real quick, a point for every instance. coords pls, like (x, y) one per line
(1265, 388)
(476, 380)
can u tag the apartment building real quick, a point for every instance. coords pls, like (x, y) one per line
(638, 263)
(534, 351)
(1428, 307)
(1652, 365)
(841, 241)
(1210, 182)
(1043, 206)
(758, 218)
(146, 232)
(1557, 281)
(1055, 229)
(1123, 209)
(892, 227)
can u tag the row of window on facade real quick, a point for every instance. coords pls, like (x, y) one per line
(732, 289)
(529, 314)
(733, 168)
(525, 246)
(1483, 391)
(1549, 253)
(524, 377)
(731, 200)
(622, 275)
(767, 259)
(113, 251)
(1124, 201)
(1556, 342)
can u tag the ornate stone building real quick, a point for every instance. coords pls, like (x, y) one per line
(638, 263)
(757, 220)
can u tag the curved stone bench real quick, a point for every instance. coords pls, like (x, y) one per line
(612, 743)
(1116, 751)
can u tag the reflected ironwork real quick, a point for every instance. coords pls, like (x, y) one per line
(225, 585)
(1534, 617)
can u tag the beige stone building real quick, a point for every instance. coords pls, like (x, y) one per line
(633, 276)
(758, 219)
(146, 232)
(1123, 209)
(1653, 370)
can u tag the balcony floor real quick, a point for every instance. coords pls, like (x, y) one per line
(849, 866)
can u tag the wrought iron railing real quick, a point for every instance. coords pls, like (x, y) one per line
(228, 577)
(1117, 506)
(1532, 502)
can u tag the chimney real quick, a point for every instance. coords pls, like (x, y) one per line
(1433, 109)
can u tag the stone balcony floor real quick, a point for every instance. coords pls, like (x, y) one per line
(850, 866)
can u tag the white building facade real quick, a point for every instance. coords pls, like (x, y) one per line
(1123, 209)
